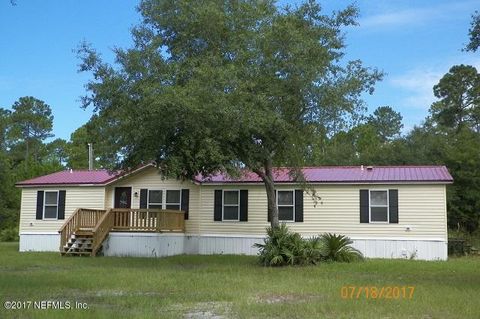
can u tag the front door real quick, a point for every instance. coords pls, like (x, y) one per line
(123, 197)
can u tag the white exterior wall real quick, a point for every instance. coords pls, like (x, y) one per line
(42, 235)
(160, 245)
(422, 209)
(151, 179)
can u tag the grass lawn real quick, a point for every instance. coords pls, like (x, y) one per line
(233, 287)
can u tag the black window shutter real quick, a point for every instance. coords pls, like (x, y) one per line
(185, 201)
(40, 205)
(61, 204)
(244, 205)
(393, 205)
(364, 206)
(143, 198)
(217, 210)
(299, 205)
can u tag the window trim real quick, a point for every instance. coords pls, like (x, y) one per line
(230, 205)
(50, 205)
(180, 198)
(164, 197)
(293, 205)
(370, 206)
(148, 198)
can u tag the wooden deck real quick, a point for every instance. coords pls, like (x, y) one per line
(84, 232)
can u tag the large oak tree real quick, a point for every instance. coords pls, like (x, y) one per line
(214, 86)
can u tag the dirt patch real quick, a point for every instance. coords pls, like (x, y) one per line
(204, 310)
(285, 298)
(121, 293)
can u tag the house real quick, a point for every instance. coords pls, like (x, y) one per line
(388, 212)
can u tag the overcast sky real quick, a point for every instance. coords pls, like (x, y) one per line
(413, 42)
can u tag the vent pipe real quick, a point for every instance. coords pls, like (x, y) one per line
(90, 156)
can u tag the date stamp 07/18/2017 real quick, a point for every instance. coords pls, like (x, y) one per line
(376, 292)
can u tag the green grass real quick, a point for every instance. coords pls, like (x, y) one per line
(233, 287)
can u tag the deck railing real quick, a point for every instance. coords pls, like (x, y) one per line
(157, 220)
(82, 218)
(100, 222)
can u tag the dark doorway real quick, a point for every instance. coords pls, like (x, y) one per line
(123, 197)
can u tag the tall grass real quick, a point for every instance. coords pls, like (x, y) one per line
(233, 287)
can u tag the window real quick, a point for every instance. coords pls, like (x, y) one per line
(379, 206)
(231, 205)
(50, 210)
(173, 199)
(286, 205)
(155, 199)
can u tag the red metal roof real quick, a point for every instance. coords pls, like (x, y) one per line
(72, 177)
(348, 174)
(333, 174)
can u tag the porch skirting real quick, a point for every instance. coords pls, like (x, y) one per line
(138, 244)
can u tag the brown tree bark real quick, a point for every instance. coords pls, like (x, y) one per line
(267, 177)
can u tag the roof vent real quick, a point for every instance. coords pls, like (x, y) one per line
(361, 167)
(369, 168)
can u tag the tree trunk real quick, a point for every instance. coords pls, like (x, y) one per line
(272, 209)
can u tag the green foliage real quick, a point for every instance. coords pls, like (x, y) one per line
(282, 247)
(337, 248)
(9, 234)
(387, 122)
(31, 122)
(474, 33)
(210, 85)
(459, 94)
(104, 146)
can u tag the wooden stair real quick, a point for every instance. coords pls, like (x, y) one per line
(84, 232)
(79, 244)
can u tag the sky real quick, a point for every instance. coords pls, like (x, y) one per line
(414, 42)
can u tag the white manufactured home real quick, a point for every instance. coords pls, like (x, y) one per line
(388, 212)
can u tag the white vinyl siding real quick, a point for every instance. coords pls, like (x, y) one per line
(422, 207)
(150, 179)
(75, 197)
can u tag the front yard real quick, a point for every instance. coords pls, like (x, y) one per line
(232, 287)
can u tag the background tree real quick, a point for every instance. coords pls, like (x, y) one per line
(459, 94)
(31, 123)
(238, 85)
(4, 124)
(474, 33)
(104, 146)
(387, 122)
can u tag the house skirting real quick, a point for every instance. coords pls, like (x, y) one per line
(39, 241)
(159, 245)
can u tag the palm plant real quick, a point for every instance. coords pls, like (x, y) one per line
(337, 248)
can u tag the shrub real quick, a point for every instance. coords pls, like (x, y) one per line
(337, 248)
(283, 247)
(9, 234)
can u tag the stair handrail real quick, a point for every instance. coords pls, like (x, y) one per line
(101, 231)
(68, 228)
